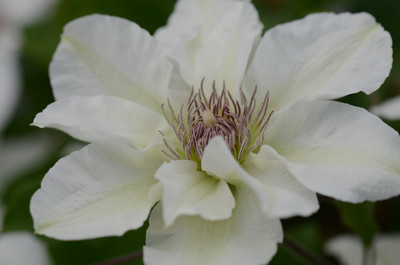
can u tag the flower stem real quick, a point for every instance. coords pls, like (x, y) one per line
(302, 252)
(122, 259)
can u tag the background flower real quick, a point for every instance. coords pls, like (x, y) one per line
(16, 153)
(389, 109)
(19, 154)
(21, 247)
(349, 250)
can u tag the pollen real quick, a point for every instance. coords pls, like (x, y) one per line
(241, 123)
(208, 118)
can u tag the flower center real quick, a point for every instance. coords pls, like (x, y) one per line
(208, 118)
(240, 123)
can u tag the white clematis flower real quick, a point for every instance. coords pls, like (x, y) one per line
(349, 250)
(389, 109)
(226, 130)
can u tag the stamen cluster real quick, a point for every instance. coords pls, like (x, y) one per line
(240, 124)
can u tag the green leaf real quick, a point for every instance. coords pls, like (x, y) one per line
(304, 232)
(359, 218)
(17, 217)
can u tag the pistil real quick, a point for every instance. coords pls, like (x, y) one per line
(241, 124)
(208, 118)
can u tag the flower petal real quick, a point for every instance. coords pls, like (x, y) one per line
(280, 194)
(287, 197)
(101, 190)
(218, 161)
(338, 150)
(248, 237)
(389, 109)
(211, 39)
(97, 118)
(321, 56)
(188, 191)
(106, 55)
(18, 248)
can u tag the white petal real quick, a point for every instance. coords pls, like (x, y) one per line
(218, 161)
(224, 53)
(248, 237)
(338, 150)
(280, 194)
(97, 118)
(18, 248)
(20, 154)
(189, 191)
(287, 197)
(108, 55)
(348, 249)
(212, 39)
(103, 189)
(389, 109)
(321, 56)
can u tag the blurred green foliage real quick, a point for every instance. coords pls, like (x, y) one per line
(40, 43)
(359, 218)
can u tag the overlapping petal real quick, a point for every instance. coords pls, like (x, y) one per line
(97, 118)
(336, 149)
(321, 56)
(218, 161)
(111, 56)
(287, 197)
(103, 189)
(188, 191)
(279, 193)
(212, 39)
(248, 237)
